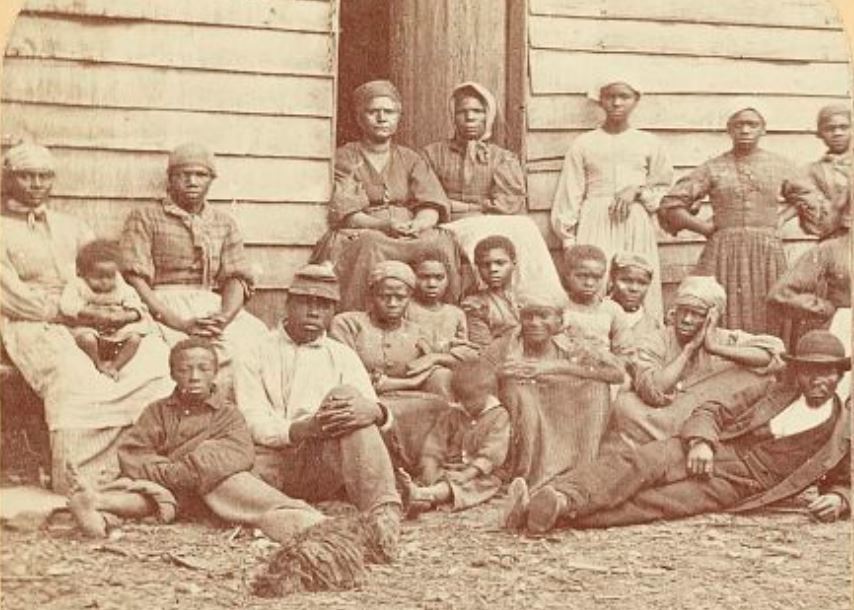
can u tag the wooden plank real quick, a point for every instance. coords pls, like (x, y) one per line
(132, 175)
(669, 38)
(293, 15)
(171, 45)
(290, 224)
(695, 112)
(424, 70)
(516, 77)
(561, 72)
(67, 83)
(683, 147)
(274, 266)
(159, 130)
(785, 13)
(269, 304)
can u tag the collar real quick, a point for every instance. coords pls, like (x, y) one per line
(215, 401)
(844, 158)
(492, 402)
(32, 214)
(321, 341)
(170, 207)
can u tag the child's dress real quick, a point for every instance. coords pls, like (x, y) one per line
(490, 314)
(444, 328)
(458, 440)
(597, 166)
(604, 322)
(77, 295)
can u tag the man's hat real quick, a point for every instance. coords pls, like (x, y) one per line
(820, 347)
(316, 281)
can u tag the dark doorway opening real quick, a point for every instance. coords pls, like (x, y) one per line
(363, 55)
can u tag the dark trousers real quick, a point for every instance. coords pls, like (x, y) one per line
(651, 482)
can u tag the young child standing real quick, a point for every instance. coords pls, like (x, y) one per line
(588, 314)
(493, 310)
(99, 286)
(466, 447)
(443, 324)
(192, 443)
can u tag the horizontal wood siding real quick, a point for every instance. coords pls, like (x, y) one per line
(112, 85)
(694, 63)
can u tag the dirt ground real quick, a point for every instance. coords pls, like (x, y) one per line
(454, 561)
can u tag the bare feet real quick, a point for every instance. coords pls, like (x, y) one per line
(416, 500)
(82, 502)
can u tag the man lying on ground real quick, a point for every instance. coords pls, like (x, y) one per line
(759, 446)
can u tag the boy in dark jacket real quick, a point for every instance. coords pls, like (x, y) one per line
(192, 443)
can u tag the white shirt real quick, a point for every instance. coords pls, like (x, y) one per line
(799, 416)
(281, 381)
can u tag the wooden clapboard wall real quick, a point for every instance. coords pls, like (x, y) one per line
(112, 85)
(690, 59)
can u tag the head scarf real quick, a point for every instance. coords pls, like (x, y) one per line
(626, 260)
(365, 92)
(394, 270)
(539, 300)
(28, 156)
(316, 281)
(740, 105)
(601, 82)
(191, 153)
(701, 291)
(476, 150)
(830, 111)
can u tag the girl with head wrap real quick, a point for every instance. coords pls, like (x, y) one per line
(485, 185)
(630, 278)
(611, 183)
(85, 411)
(395, 351)
(688, 361)
(743, 249)
(386, 202)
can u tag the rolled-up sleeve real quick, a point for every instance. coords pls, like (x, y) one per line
(426, 191)
(234, 264)
(136, 244)
(685, 194)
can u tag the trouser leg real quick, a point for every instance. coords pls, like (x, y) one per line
(245, 498)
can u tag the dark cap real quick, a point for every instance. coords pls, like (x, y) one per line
(820, 347)
(316, 281)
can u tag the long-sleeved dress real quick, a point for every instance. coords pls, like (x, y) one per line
(597, 166)
(85, 410)
(558, 420)
(647, 413)
(404, 186)
(187, 258)
(744, 253)
(487, 197)
(482, 441)
(388, 352)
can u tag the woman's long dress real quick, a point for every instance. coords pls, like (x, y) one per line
(187, 258)
(388, 352)
(597, 166)
(85, 410)
(403, 187)
(488, 197)
(557, 421)
(745, 253)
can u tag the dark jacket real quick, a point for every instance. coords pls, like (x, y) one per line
(719, 422)
(187, 448)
